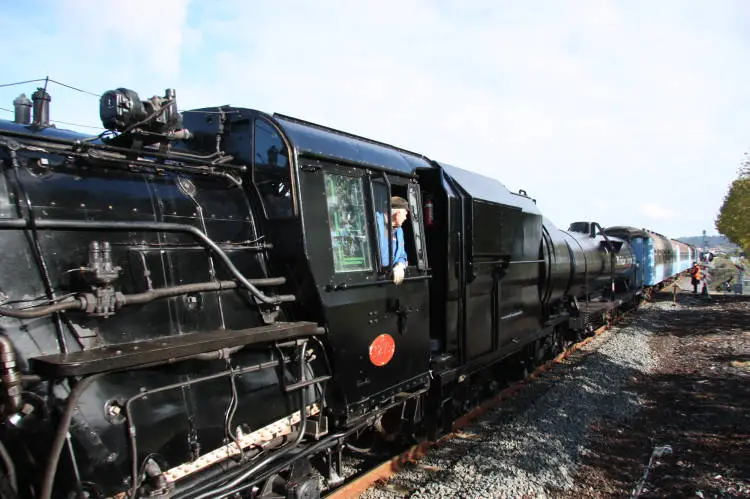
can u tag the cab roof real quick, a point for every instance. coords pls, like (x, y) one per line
(313, 140)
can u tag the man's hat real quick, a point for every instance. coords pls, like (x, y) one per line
(399, 203)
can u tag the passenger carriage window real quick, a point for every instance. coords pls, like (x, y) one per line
(271, 172)
(347, 220)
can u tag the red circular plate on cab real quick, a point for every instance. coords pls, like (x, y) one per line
(382, 349)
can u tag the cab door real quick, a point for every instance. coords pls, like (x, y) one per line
(378, 332)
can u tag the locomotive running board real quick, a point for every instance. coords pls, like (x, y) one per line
(165, 350)
(259, 437)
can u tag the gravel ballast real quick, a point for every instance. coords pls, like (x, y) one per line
(532, 443)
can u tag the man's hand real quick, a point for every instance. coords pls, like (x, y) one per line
(398, 273)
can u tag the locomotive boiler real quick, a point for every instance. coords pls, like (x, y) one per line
(199, 304)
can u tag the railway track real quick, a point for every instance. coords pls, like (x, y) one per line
(392, 466)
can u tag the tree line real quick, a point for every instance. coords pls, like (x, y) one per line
(734, 216)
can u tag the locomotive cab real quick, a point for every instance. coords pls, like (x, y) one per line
(378, 332)
(324, 203)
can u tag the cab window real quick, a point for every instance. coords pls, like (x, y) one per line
(381, 199)
(411, 241)
(271, 172)
(350, 241)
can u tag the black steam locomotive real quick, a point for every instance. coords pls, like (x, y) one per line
(201, 304)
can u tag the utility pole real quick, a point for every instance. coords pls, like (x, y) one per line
(704, 254)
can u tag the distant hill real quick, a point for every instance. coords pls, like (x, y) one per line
(713, 241)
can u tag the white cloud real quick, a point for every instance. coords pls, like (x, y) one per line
(574, 102)
(657, 212)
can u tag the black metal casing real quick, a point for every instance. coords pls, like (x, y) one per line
(168, 289)
(487, 267)
(356, 307)
(175, 423)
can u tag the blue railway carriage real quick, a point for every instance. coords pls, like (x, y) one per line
(657, 258)
(684, 256)
(642, 248)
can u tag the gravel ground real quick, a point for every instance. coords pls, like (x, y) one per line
(697, 406)
(561, 435)
(531, 444)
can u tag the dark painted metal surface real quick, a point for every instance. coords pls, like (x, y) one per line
(479, 186)
(557, 275)
(497, 265)
(252, 197)
(164, 350)
(46, 183)
(314, 140)
(360, 305)
(593, 265)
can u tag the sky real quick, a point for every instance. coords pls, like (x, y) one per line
(623, 112)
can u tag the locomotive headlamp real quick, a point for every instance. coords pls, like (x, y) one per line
(124, 111)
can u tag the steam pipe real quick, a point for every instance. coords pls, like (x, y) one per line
(128, 404)
(63, 426)
(227, 489)
(326, 442)
(83, 301)
(10, 376)
(71, 403)
(151, 227)
(10, 467)
(122, 150)
(42, 311)
(145, 297)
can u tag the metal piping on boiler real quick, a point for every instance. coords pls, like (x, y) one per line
(10, 377)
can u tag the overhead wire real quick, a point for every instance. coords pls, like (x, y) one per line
(21, 82)
(75, 88)
(46, 80)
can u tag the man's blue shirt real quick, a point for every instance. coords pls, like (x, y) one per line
(399, 251)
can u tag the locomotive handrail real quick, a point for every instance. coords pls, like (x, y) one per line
(611, 249)
(504, 261)
(150, 227)
(214, 159)
(344, 286)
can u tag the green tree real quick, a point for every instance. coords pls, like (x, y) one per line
(734, 216)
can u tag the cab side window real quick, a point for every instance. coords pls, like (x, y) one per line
(381, 195)
(271, 172)
(406, 244)
(347, 220)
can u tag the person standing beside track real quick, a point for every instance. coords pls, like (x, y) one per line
(695, 275)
